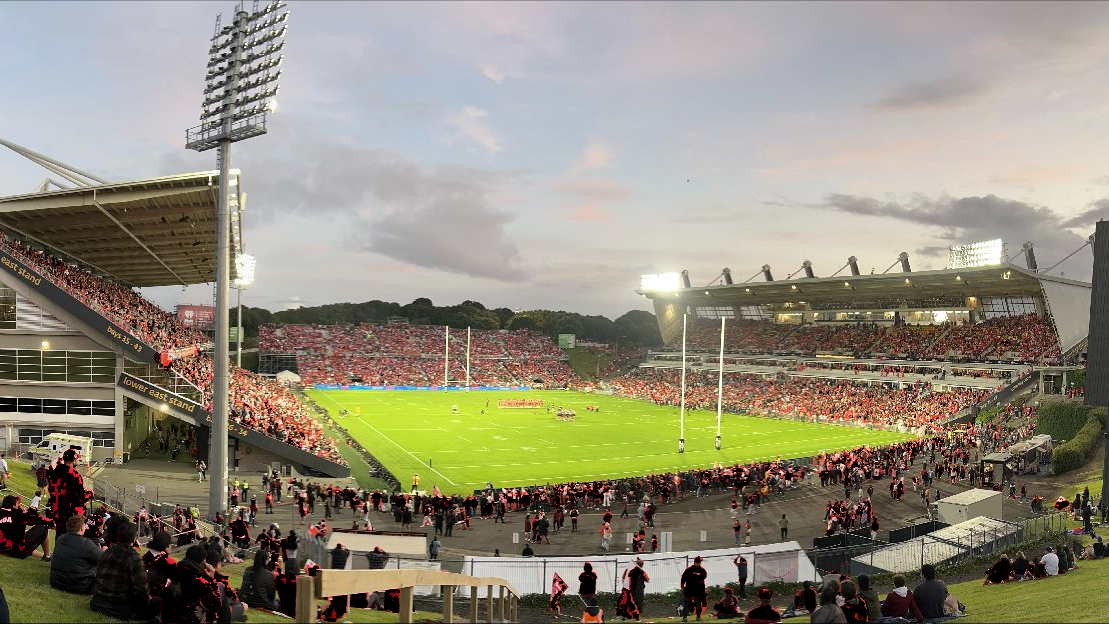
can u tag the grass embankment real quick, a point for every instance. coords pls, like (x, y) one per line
(420, 432)
(586, 361)
(26, 582)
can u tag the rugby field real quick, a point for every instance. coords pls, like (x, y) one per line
(413, 431)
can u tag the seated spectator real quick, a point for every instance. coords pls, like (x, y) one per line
(1099, 548)
(193, 591)
(1000, 571)
(1066, 560)
(258, 589)
(930, 594)
(828, 612)
(764, 612)
(1021, 568)
(867, 593)
(804, 601)
(16, 540)
(854, 608)
(73, 566)
(901, 602)
(232, 609)
(1048, 565)
(161, 569)
(727, 607)
(121, 589)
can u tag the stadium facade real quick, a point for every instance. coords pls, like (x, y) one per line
(65, 366)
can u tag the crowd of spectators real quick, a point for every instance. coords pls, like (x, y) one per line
(402, 354)
(119, 304)
(256, 402)
(1026, 338)
(825, 400)
(263, 405)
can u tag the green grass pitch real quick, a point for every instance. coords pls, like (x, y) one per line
(416, 432)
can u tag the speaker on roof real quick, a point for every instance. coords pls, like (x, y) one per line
(766, 272)
(685, 280)
(808, 269)
(727, 276)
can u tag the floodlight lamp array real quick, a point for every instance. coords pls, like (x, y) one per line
(244, 271)
(243, 64)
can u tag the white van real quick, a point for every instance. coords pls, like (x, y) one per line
(53, 445)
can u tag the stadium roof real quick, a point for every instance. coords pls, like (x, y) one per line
(155, 232)
(989, 281)
(1067, 300)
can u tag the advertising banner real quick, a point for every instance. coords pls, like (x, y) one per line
(567, 341)
(196, 316)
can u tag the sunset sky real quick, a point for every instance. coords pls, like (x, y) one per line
(545, 155)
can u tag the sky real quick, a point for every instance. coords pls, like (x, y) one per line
(545, 155)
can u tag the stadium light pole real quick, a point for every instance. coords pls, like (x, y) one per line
(720, 385)
(244, 277)
(681, 411)
(241, 84)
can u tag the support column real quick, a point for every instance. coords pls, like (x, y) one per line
(447, 592)
(489, 604)
(405, 604)
(502, 602)
(120, 420)
(473, 604)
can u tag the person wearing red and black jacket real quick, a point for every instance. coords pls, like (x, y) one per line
(240, 532)
(195, 589)
(161, 569)
(232, 609)
(68, 495)
(15, 540)
(286, 588)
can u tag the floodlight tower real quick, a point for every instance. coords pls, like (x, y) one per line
(244, 65)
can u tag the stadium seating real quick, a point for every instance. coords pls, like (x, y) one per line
(401, 354)
(256, 402)
(808, 398)
(1024, 338)
(113, 301)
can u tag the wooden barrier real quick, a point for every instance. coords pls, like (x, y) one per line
(328, 583)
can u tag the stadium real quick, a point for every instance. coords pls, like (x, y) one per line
(776, 434)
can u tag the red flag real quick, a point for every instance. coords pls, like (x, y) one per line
(558, 588)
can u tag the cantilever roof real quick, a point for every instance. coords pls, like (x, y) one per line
(990, 281)
(156, 232)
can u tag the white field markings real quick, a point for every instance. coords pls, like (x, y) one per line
(394, 443)
(736, 427)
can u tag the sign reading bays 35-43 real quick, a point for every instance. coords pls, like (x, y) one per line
(23, 278)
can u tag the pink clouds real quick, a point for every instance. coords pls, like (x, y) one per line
(588, 212)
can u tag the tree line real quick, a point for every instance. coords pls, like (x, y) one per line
(636, 328)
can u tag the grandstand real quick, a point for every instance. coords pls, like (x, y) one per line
(876, 343)
(86, 354)
(398, 354)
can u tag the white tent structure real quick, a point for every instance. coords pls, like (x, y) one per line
(287, 378)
